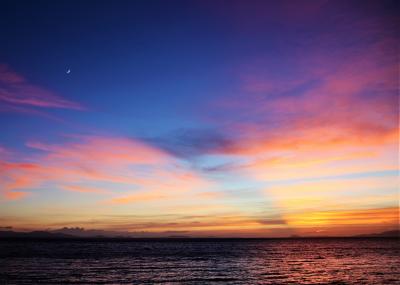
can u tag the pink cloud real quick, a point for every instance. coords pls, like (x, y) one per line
(84, 189)
(15, 195)
(139, 197)
(334, 102)
(8, 76)
(16, 91)
(89, 160)
(103, 151)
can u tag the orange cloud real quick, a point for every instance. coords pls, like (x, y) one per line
(84, 189)
(389, 216)
(91, 159)
(196, 223)
(333, 202)
(15, 195)
(140, 197)
(329, 193)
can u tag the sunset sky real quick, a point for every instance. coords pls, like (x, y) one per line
(200, 118)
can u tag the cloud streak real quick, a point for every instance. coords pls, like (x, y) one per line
(104, 165)
(329, 110)
(16, 92)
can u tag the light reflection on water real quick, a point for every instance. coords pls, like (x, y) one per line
(303, 261)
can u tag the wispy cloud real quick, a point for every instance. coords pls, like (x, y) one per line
(84, 189)
(17, 92)
(353, 106)
(330, 110)
(120, 163)
(336, 218)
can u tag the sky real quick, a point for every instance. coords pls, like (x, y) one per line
(200, 118)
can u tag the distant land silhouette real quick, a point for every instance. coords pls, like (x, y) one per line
(395, 233)
(80, 233)
(33, 234)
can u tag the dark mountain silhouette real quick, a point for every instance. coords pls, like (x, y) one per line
(88, 233)
(34, 234)
(81, 233)
(394, 233)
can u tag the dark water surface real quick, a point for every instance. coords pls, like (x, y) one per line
(290, 261)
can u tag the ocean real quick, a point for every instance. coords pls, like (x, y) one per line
(202, 261)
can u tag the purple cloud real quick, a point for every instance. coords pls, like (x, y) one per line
(15, 91)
